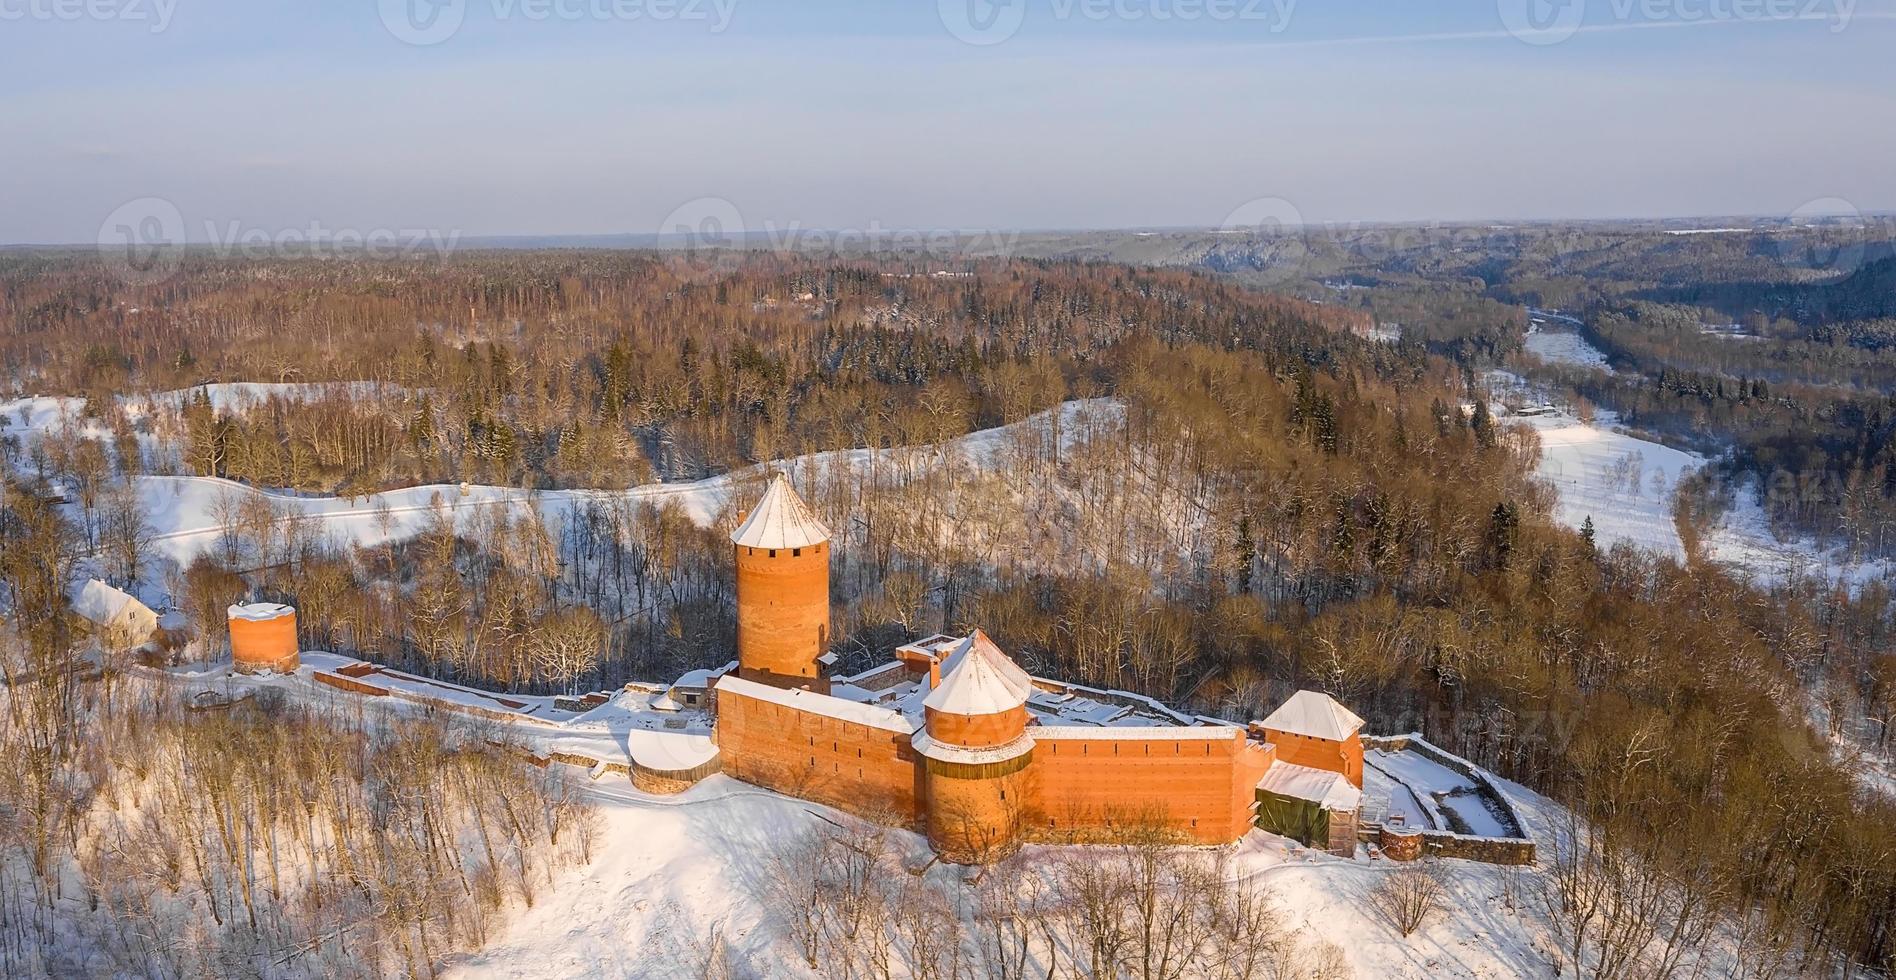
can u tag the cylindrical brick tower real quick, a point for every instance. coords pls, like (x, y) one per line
(263, 637)
(976, 754)
(783, 600)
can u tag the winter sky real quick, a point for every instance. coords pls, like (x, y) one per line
(495, 117)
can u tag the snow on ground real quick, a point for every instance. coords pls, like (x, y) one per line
(1623, 483)
(42, 414)
(670, 870)
(188, 514)
(1744, 540)
(1627, 484)
(1427, 793)
(1562, 346)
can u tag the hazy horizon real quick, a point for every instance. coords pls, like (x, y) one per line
(205, 121)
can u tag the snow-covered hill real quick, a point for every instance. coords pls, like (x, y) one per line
(678, 869)
(187, 513)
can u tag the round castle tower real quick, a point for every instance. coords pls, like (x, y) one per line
(263, 638)
(976, 753)
(783, 599)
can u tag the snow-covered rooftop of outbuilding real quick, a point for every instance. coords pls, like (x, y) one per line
(703, 676)
(822, 704)
(780, 520)
(100, 603)
(979, 679)
(258, 612)
(1314, 715)
(1326, 789)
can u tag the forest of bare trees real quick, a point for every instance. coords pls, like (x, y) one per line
(1144, 908)
(1268, 503)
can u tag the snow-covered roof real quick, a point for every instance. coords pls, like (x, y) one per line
(669, 751)
(820, 704)
(780, 520)
(663, 702)
(980, 680)
(1314, 715)
(932, 748)
(259, 612)
(100, 603)
(1329, 790)
(703, 676)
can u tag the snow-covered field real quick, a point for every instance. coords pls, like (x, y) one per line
(1627, 485)
(1624, 484)
(1562, 345)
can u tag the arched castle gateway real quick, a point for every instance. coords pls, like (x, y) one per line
(954, 739)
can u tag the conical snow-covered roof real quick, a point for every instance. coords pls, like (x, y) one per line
(980, 680)
(1315, 715)
(780, 520)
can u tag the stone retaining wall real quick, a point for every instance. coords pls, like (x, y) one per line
(1445, 843)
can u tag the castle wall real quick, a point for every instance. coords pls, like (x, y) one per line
(1319, 753)
(783, 615)
(861, 768)
(1198, 783)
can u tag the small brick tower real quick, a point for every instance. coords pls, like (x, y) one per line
(783, 599)
(263, 638)
(1312, 729)
(977, 754)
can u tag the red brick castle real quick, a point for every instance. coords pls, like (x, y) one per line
(955, 739)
